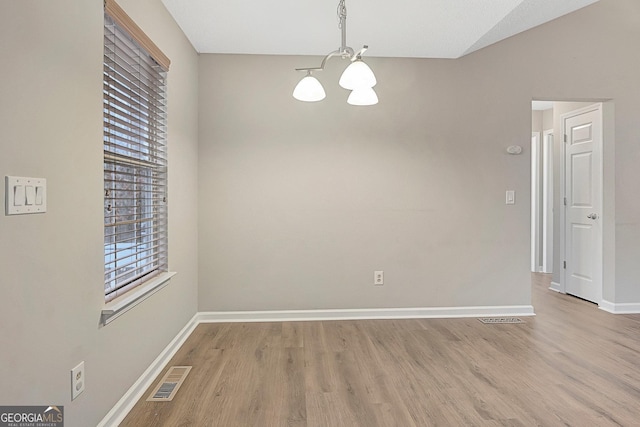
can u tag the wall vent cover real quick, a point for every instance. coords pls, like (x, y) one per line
(169, 385)
(494, 320)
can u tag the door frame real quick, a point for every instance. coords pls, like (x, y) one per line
(548, 142)
(600, 175)
(535, 202)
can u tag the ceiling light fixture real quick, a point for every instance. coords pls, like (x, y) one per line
(357, 77)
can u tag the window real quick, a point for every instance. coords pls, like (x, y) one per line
(135, 155)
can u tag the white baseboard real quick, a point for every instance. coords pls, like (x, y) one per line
(622, 308)
(354, 314)
(131, 397)
(555, 287)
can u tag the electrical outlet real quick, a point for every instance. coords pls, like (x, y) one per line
(77, 380)
(378, 278)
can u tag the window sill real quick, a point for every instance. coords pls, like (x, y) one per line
(113, 309)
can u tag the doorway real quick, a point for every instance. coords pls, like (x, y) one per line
(562, 242)
(542, 183)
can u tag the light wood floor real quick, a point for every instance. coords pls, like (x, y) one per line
(571, 365)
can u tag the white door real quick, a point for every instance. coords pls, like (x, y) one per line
(583, 199)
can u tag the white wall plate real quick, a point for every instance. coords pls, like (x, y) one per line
(25, 195)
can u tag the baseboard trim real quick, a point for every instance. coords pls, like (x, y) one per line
(555, 286)
(355, 314)
(131, 397)
(622, 308)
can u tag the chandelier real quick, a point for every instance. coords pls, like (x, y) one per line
(357, 77)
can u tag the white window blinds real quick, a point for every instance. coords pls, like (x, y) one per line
(135, 160)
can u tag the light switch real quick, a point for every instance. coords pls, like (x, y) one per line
(25, 195)
(511, 197)
(18, 195)
(39, 195)
(30, 195)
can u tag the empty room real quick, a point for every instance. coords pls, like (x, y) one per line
(336, 213)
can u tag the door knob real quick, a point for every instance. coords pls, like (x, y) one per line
(592, 216)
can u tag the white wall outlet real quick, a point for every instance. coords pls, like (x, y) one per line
(77, 380)
(378, 278)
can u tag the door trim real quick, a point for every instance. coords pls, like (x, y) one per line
(535, 203)
(600, 175)
(547, 200)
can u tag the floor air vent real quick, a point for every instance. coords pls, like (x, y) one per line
(169, 385)
(500, 320)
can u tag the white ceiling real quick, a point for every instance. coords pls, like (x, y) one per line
(392, 28)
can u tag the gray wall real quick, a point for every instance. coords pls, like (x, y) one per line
(588, 56)
(299, 203)
(52, 264)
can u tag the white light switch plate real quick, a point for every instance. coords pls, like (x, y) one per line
(25, 195)
(510, 197)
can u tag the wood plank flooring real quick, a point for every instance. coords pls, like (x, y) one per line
(571, 365)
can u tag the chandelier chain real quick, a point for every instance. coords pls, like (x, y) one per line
(342, 13)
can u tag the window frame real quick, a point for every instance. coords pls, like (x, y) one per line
(135, 163)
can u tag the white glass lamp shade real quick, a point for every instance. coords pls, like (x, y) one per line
(309, 89)
(357, 75)
(363, 96)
